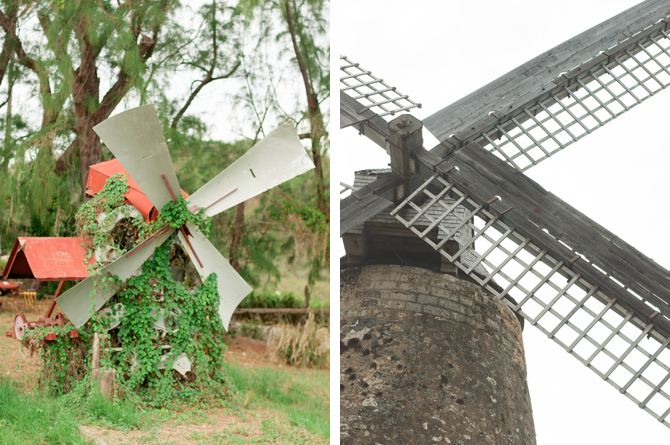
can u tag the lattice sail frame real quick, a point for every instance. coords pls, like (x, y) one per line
(373, 92)
(586, 102)
(622, 349)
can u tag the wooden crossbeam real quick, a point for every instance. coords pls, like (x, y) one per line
(626, 28)
(482, 174)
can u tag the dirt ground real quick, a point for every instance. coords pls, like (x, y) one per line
(219, 425)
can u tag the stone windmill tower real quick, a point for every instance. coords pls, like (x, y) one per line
(466, 206)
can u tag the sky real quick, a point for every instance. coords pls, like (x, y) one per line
(438, 52)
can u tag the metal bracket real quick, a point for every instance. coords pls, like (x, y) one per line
(400, 192)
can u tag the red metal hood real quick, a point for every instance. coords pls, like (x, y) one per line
(97, 178)
(47, 259)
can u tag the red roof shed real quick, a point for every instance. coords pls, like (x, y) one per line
(47, 259)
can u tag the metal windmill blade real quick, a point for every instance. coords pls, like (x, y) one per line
(136, 139)
(76, 303)
(554, 266)
(276, 158)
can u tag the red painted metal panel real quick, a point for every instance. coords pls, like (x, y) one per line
(8, 285)
(98, 175)
(47, 259)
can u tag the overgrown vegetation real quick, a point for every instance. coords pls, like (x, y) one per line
(301, 399)
(307, 345)
(25, 419)
(77, 63)
(161, 315)
(304, 399)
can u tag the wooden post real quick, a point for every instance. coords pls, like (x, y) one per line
(405, 134)
(106, 378)
(303, 319)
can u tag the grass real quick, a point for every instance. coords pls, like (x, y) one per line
(308, 345)
(92, 408)
(302, 398)
(27, 419)
(296, 403)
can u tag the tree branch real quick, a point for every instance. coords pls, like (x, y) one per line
(312, 103)
(195, 92)
(9, 26)
(7, 44)
(63, 162)
(113, 96)
(209, 76)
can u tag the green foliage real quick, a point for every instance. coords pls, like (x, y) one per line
(272, 300)
(304, 397)
(87, 401)
(176, 214)
(64, 360)
(107, 202)
(194, 329)
(309, 229)
(189, 310)
(30, 420)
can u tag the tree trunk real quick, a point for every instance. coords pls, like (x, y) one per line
(90, 152)
(321, 202)
(86, 89)
(237, 237)
(313, 113)
(8, 122)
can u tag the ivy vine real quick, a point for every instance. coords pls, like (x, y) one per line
(162, 315)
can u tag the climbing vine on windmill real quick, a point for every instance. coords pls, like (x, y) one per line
(157, 291)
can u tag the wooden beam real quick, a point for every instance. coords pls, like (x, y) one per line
(362, 210)
(300, 310)
(543, 69)
(533, 209)
(405, 134)
(368, 123)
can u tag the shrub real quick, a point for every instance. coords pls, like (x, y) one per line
(307, 345)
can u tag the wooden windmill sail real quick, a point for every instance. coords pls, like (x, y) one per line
(568, 275)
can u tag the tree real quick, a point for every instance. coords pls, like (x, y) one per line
(305, 22)
(90, 44)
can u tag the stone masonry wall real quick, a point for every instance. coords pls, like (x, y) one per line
(427, 358)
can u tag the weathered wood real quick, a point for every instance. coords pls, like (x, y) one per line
(357, 213)
(483, 175)
(574, 228)
(107, 382)
(544, 68)
(300, 310)
(367, 122)
(104, 378)
(356, 247)
(548, 93)
(351, 112)
(95, 353)
(383, 184)
(405, 134)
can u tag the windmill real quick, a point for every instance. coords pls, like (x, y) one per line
(136, 139)
(575, 92)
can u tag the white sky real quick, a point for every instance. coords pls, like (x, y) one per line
(438, 52)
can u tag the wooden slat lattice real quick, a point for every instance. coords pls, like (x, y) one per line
(572, 108)
(371, 91)
(627, 352)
